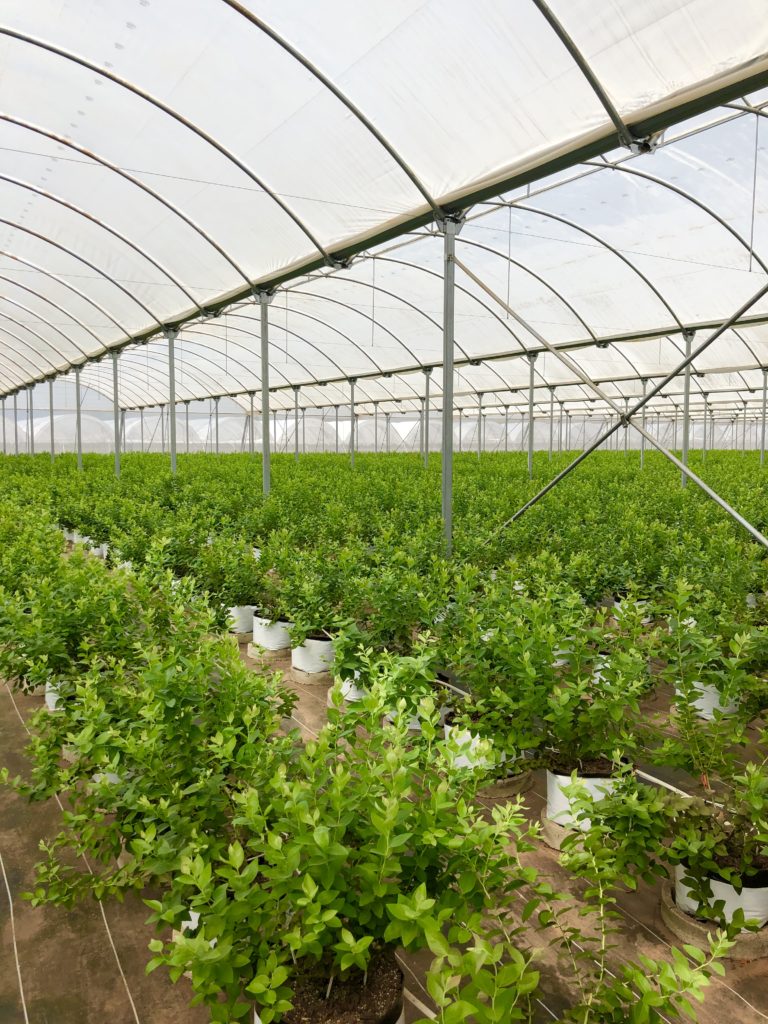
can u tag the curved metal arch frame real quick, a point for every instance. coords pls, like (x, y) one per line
(70, 287)
(154, 101)
(56, 306)
(635, 172)
(137, 182)
(140, 394)
(93, 379)
(341, 97)
(85, 262)
(26, 327)
(347, 376)
(315, 382)
(551, 288)
(91, 218)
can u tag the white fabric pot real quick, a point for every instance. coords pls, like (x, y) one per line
(52, 699)
(754, 901)
(468, 743)
(351, 692)
(313, 656)
(559, 807)
(272, 636)
(241, 618)
(709, 699)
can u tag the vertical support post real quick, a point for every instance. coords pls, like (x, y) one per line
(322, 430)
(5, 450)
(31, 419)
(216, 401)
(15, 423)
(336, 410)
(506, 428)
(560, 430)
(162, 429)
(450, 228)
(531, 361)
(274, 429)
(688, 336)
(116, 412)
(122, 430)
(674, 436)
(642, 436)
(296, 423)
(376, 428)
(461, 432)
(50, 415)
(427, 381)
(141, 426)
(250, 425)
(266, 464)
(762, 425)
(704, 436)
(304, 431)
(352, 422)
(170, 337)
(744, 430)
(186, 426)
(626, 426)
(522, 431)
(387, 421)
(422, 439)
(479, 423)
(551, 420)
(78, 420)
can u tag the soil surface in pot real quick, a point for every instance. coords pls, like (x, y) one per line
(380, 1001)
(758, 880)
(599, 767)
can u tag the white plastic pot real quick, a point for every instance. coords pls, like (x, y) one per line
(241, 618)
(753, 901)
(351, 692)
(468, 743)
(272, 636)
(313, 656)
(256, 552)
(559, 807)
(52, 698)
(710, 699)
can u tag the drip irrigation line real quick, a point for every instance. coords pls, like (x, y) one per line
(13, 940)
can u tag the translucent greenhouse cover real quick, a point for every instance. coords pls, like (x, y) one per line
(166, 162)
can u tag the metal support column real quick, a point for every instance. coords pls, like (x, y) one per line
(216, 401)
(352, 422)
(560, 430)
(642, 436)
(450, 229)
(551, 419)
(744, 430)
(116, 412)
(421, 429)
(688, 337)
(141, 427)
(15, 423)
(387, 419)
(304, 431)
(762, 426)
(50, 414)
(170, 337)
(122, 430)
(336, 410)
(31, 419)
(162, 430)
(251, 431)
(674, 436)
(506, 428)
(479, 423)
(78, 420)
(626, 426)
(296, 423)
(376, 428)
(186, 426)
(5, 449)
(531, 361)
(427, 380)
(704, 436)
(266, 476)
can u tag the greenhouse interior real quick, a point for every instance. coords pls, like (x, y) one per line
(383, 486)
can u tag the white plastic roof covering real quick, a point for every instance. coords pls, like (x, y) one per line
(163, 161)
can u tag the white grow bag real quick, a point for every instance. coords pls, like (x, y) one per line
(272, 636)
(559, 805)
(710, 699)
(313, 656)
(468, 743)
(241, 618)
(753, 901)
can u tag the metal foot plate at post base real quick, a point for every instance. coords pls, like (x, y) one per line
(747, 945)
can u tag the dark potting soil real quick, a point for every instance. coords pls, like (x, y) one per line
(759, 880)
(598, 767)
(380, 1001)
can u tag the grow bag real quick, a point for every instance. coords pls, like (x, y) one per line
(240, 618)
(559, 807)
(753, 900)
(313, 656)
(272, 636)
